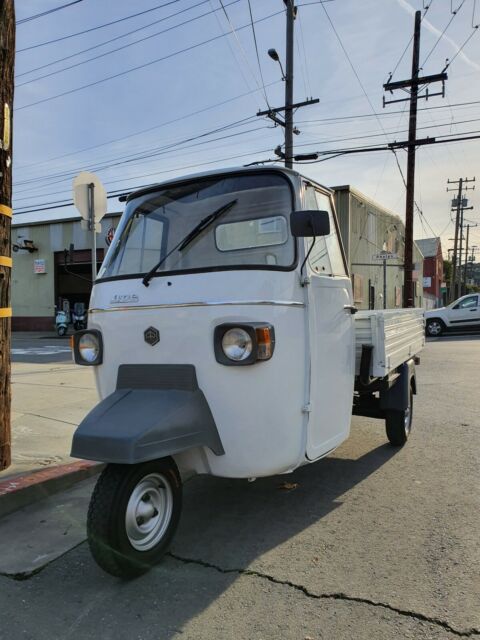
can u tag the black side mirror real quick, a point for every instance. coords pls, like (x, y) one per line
(309, 223)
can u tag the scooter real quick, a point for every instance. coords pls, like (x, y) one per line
(61, 323)
(79, 316)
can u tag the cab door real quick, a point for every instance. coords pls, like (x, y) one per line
(331, 332)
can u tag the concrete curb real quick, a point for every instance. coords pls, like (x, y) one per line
(22, 490)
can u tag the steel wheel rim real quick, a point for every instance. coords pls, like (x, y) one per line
(149, 511)
(407, 418)
(434, 328)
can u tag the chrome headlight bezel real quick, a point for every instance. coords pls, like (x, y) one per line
(254, 331)
(77, 354)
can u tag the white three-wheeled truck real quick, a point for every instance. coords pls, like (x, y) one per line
(224, 341)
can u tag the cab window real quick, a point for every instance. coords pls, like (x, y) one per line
(326, 257)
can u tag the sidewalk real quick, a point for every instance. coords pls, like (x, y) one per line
(48, 402)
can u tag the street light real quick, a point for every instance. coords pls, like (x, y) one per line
(274, 56)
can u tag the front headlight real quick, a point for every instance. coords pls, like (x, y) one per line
(237, 344)
(242, 344)
(88, 347)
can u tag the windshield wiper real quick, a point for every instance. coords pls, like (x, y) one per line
(191, 235)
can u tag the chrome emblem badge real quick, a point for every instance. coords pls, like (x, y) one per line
(151, 336)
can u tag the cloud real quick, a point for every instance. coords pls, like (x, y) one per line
(429, 26)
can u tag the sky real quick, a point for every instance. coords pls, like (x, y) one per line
(187, 84)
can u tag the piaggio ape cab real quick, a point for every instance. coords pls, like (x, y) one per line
(221, 333)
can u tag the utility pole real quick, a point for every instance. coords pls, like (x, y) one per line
(413, 83)
(459, 204)
(465, 273)
(7, 60)
(287, 77)
(291, 10)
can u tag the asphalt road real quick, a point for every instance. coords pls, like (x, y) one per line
(46, 349)
(372, 543)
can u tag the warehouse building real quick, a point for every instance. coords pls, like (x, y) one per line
(370, 232)
(52, 267)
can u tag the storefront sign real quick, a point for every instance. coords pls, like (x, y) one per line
(427, 282)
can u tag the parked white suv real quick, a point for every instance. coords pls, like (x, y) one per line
(460, 315)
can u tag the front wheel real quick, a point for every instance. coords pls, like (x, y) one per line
(133, 514)
(398, 424)
(61, 331)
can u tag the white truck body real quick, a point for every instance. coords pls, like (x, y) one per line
(395, 334)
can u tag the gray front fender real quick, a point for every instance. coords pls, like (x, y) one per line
(135, 424)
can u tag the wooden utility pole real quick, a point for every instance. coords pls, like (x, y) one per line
(459, 206)
(408, 297)
(287, 76)
(7, 60)
(413, 84)
(290, 11)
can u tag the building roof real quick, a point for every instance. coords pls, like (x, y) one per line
(26, 221)
(429, 246)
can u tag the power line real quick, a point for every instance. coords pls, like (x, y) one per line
(138, 67)
(154, 153)
(119, 37)
(449, 62)
(149, 129)
(256, 49)
(239, 44)
(409, 42)
(100, 26)
(46, 13)
(45, 206)
(443, 32)
(353, 67)
(125, 46)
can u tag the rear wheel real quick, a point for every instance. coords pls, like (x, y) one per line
(434, 327)
(398, 424)
(133, 515)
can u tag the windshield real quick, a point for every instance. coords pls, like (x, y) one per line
(255, 232)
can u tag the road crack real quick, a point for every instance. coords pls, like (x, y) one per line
(340, 595)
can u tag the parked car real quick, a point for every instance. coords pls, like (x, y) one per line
(462, 314)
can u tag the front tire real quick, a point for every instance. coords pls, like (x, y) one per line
(434, 328)
(133, 514)
(62, 331)
(398, 424)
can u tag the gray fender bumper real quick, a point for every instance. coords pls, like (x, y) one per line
(156, 411)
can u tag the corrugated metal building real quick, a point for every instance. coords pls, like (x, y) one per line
(45, 273)
(367, 229)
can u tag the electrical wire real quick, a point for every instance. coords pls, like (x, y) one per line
(409, 43)
(100, 26)
(125, 46)
(256, 50)
(45, 206)
(105, 42)
(240, 46)
(46, 13)
(475, 29)
(137, 67)
(142, 131)
(455, 13)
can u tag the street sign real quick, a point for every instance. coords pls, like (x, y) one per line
(81, 196)
(90, 198)
(385, 255)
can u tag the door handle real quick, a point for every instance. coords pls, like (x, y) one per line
(351, 308)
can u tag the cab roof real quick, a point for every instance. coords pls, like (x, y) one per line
(292, 173)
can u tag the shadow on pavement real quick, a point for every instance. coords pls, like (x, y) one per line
(225, 523)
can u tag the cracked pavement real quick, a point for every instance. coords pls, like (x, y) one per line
(372, 543)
